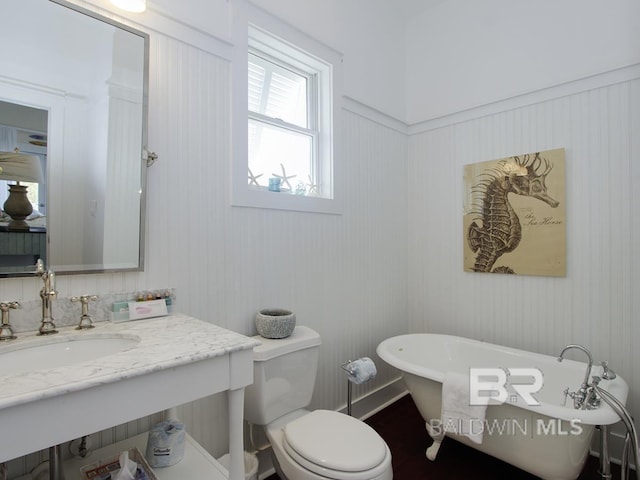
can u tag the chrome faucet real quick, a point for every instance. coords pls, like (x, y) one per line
(6, 332)
(47, 294)
(607, 373)
(85, 319)
(581, 398)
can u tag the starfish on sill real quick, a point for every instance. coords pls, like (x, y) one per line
(313, 188)
(253, 179)
(284, 179)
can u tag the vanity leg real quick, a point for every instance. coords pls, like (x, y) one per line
(170, 414)
(236, 442)
(56, 472)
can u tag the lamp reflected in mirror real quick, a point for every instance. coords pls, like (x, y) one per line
(19, 167)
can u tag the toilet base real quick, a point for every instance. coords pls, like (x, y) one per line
(288, 469)
(277, 467)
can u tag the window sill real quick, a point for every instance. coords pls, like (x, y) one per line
(263, 198)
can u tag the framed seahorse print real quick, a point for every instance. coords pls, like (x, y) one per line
(514, 215)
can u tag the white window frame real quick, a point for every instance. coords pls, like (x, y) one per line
(276, 39)
(320, 154)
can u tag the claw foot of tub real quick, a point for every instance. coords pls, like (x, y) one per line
(432, 451)
(437, 436)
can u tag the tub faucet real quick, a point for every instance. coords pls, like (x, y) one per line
(47, 294)
(580, 397)
(607, 373)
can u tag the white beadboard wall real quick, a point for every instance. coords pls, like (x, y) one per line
(343, 275)
(392, 262)
(597, 304)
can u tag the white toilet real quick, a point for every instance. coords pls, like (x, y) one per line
(308, 445)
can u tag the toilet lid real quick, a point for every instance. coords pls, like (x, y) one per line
(334, 441)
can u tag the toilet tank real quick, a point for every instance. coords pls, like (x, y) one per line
(284, 376)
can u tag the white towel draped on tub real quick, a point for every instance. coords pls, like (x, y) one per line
(458, 416)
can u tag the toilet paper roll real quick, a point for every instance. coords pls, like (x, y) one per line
(165, 445)
(361, 370)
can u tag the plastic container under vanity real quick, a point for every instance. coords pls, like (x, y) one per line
(275, 322)
(165, 443)
(250, 465)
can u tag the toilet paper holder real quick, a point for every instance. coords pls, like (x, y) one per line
(358, 371)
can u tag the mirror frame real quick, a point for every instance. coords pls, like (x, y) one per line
(144, 155)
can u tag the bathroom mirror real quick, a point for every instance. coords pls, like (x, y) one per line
(73, 92)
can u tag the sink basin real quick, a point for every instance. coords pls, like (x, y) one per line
(119, 373)
(48, 353)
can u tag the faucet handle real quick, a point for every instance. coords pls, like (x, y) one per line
(85, 319)
(6, 332)
(84, 298)
(51, 276)
(39, 267)
(607, 373)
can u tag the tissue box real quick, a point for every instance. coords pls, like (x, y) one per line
(148, 309)
(101, 470)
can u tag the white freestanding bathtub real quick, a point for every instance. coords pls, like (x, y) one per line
(550, 440)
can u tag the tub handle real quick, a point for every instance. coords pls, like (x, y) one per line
(583, 400)
(607, 373)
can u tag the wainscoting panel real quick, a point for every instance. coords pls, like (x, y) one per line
(344, 275)
(597, 304)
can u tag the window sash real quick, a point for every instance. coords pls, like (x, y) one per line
(276, 39)
(303, 165)
(272, 65)
(276, 122)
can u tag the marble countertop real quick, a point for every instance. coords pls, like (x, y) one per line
(165, 342)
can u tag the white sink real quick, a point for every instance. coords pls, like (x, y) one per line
(55, 352)
(77, 382)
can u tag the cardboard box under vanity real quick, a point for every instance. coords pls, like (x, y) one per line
(102, 469)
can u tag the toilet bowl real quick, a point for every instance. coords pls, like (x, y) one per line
(308, 445)
(323, 444)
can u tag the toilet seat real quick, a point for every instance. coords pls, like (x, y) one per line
(335, 445)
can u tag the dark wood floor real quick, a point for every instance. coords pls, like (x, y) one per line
(402, 428)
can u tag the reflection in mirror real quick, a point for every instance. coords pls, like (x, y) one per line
(73, 96)
(23, 153)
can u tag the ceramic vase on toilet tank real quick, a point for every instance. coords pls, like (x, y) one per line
(275, 322)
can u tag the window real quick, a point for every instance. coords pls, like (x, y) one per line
(283, 132)
(291, 123)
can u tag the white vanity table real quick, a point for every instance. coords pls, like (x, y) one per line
(178, 359)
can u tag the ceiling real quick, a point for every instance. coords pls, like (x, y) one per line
(410, 8)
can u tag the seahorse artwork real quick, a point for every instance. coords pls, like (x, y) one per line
(498, 194)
